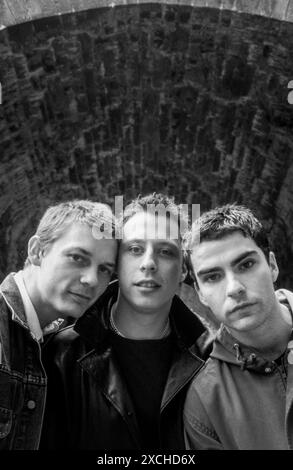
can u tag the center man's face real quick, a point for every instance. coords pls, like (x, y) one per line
(75, 270)
(150, 265)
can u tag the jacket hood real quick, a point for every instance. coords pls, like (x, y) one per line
(226, 348)
(94, 325)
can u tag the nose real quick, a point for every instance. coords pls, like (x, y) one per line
(148, 262)
(235, 287)
(90, 277)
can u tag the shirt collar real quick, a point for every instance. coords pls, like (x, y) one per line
(29, 309)
(31, 314)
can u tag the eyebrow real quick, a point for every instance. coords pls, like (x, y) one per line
(76, 247)
(161, 241)
(107, 263)
(237, 260)
(243, 256)
(88, 253)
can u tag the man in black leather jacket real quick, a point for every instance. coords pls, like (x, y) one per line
(119, 376)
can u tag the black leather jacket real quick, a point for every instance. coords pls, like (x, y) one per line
(88, 406)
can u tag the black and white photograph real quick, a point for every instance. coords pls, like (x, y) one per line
(146, 230)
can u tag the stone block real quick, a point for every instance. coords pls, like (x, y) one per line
(289, 13)
(6, 15)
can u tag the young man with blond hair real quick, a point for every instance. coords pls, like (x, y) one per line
(121, 373)
(68, 267)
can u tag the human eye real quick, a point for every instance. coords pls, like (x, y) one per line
(166, 251)
(211, 278)
(135, 249)
(76, 258)
(106, 270)
(247, 264)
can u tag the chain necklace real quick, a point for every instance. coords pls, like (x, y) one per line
(162, 335)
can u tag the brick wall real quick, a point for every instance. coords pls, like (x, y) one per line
(112, 101)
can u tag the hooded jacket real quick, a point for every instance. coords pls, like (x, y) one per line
(241, 400)
(88, 404)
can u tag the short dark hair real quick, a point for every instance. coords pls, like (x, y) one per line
(222, 221)
(158, 200)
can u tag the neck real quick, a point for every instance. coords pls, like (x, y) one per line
(135, 323)
(270, 339)
(45, 314)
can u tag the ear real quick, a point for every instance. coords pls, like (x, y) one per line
(34, 250)
(199, 293)
(273, 266)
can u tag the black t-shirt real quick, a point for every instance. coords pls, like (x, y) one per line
(145, 365)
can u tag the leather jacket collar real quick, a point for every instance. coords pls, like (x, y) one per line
(94, 325)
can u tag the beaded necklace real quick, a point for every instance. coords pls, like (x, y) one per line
(163, 334)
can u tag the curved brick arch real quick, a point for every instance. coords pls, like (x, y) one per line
(12, 12)
(141, 98)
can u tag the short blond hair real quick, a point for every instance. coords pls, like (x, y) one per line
(57, 219)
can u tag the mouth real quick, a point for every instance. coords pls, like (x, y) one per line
(80, 296)
(242, 306)
(147, 284)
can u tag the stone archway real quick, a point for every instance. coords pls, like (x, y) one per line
(184, 97)
(12, 12)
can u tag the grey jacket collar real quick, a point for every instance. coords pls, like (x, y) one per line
(228, 349)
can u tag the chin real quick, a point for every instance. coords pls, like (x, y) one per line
(246, 325)
(71, 311)
(147, 306)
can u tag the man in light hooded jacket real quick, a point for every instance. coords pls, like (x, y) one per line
(242, 398)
